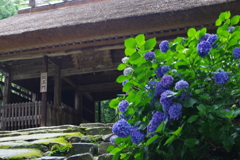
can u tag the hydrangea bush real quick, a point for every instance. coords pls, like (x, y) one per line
(182, 97)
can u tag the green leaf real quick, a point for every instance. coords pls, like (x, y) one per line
(232, 42)
(160, 127)
(114, 103)
(222, 16)
(121, 78)
(218, 22)
(140, 39)
(127, 87)
(235, 20)
(227, 15)
(191, 32)
(202, 32)
(204, 96)
(116, 156)
(202, 109)
(150, 44)
(130, 111)
(115, 150)
(134, 57)
(198, 91)
(178, 131)
(189, 102)
(191, 142)
(152, 139)
(129, 51)
(110, 148)
(121, 66)
(170, 139)
(130, 43)
(192, 118)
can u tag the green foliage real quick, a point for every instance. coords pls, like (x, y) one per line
(108, 115)
(209, 126)
(7, 9)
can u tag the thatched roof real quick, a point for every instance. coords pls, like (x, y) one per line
(104, 18)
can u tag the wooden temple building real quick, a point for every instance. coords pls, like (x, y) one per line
(71, 51)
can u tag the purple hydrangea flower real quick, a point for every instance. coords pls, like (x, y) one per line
(183, 96)
(175, 111)
(212, 39)
(166, 100)
(157, 119)
(123, 106)
(220, 78)
(159, 89)
(153, 100)
(203, 48)
(204, 37)
(127, 71)
(113, 138)
(236, 53)
(124, 82)
(162, 70)
(121, 128)
(137, 135)
(239, 65)
(164, 46)
(181, 85)
(151, 85)
(167, 81)
(230, 29)
(122, 116)
(124, 60)
(149, 55)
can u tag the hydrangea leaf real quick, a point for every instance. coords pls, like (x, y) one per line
(189, 102)
(134, 57)
(121, 78)
(235, 20)
(191, 32)
(152, 139)
(218, 22)
(121, 66)
(192, 118)
(170, 139)
(114, 103)
(150, 44)
(129, 51)
(130, 43)
(140, 39)
(191, 142)
(110, 148)
(222, 16)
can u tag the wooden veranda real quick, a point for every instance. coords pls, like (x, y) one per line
(79, 44)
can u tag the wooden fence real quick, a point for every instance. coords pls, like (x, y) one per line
(27, 115)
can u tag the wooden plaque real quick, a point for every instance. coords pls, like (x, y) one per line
(43, 82)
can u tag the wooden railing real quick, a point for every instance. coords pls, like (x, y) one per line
(20, 115)
(27, 115)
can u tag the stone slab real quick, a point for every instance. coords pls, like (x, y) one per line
(8, 153)
(102, 148)
(85, 156)
(79, 148)
(107, 156)
(99, 131)
(52, 158)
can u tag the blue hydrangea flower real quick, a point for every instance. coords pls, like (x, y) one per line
(124, 60)
(175, 111)
(212, 39)
(167, 81)
(124, 82)
(183, 96)
(122, 106)
(157, 119)
(162, 70)
(121, 128)
(128, 71)
(149, 55)
(164, 46)
(159, 89)
(137, 135)
(239, 65)
(166, 100)
(151, 85)
(230, 29)
(113, 138)
(220, 78)
(181, 85)
(203, 48)
(236, 53)
(204, 37)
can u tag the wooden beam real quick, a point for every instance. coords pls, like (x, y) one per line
(44, 96)
(7, 88)
(53, 61)
(100, 87)
(68, 80)
(57, 92)
(66, 72)
(4, 68)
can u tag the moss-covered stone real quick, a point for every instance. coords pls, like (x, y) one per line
(19, 154)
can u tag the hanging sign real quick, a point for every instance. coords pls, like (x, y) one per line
(43, 82)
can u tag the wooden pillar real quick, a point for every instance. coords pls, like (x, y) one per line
(99, 111)
(57, 94)
(78, 106)
(7, 88)
(44, 96)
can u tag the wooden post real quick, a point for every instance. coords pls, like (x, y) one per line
(99, 111)
(44, 96)
(7, 88)
(57, 93)
(78, 106)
